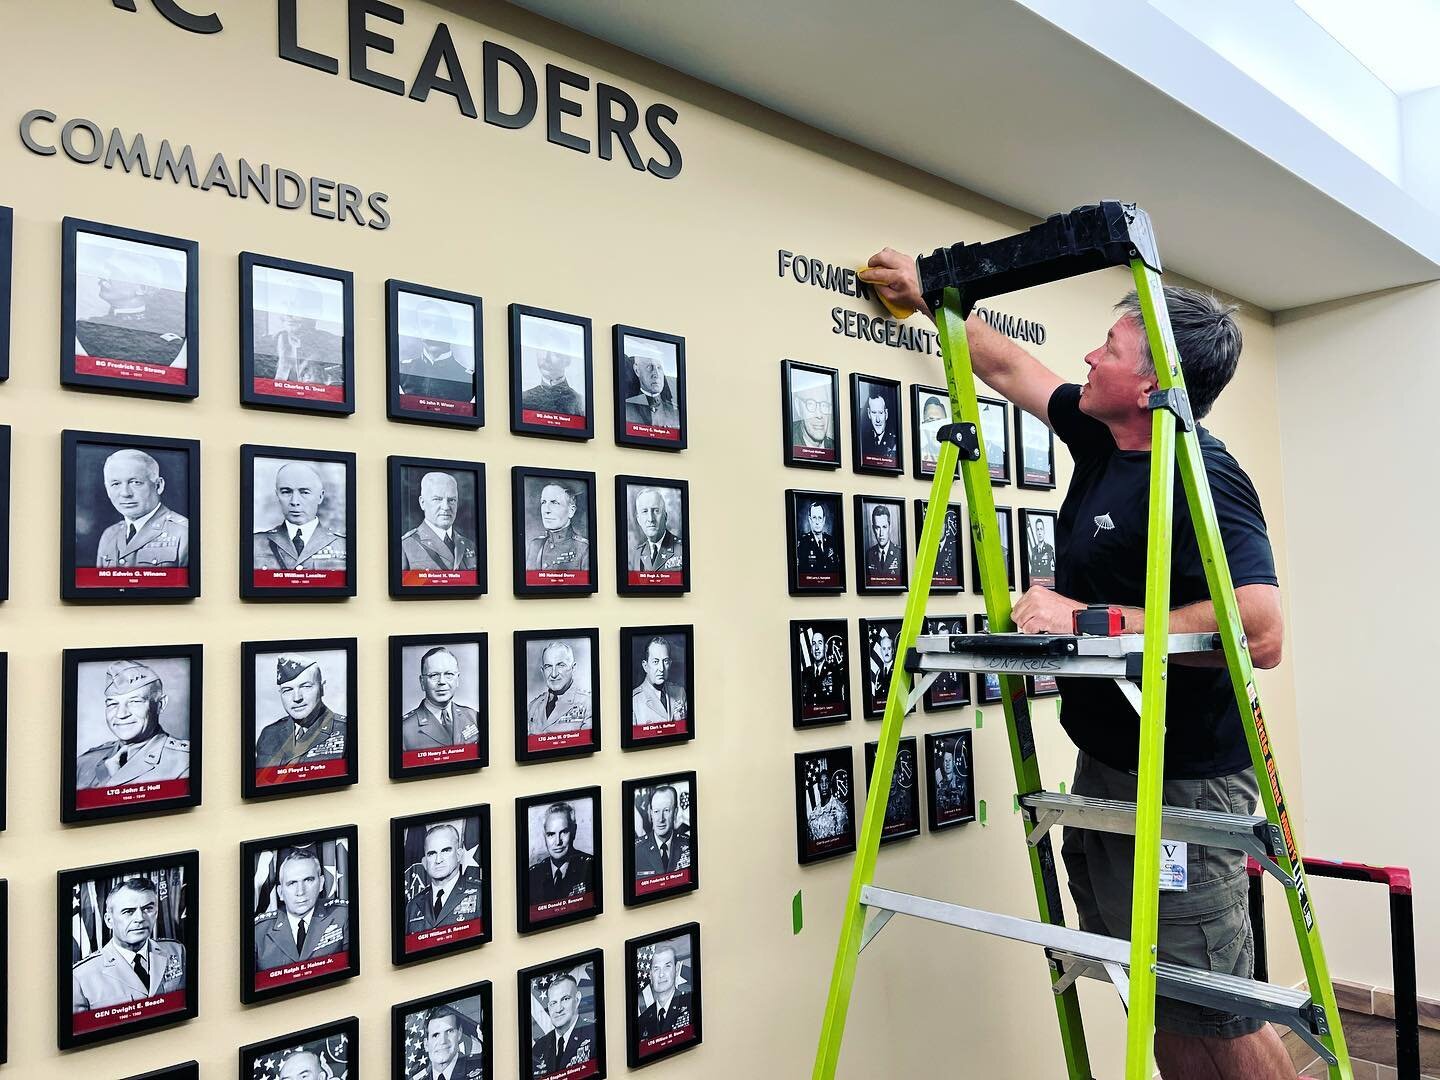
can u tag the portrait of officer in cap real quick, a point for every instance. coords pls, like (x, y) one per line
(435, 516)
(649, 373)
(130, 305)
(134, 964)
(308, 536)
(311, 739)
(554, 518)
(141, 750)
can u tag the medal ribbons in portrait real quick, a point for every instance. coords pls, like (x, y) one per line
(661, 835)
(825, 803)
(952, 788)
(444, 724)
(302, 913)
(309, 740)
(561, 873)
(438, 548)
(559, 706)
(877, 424)
(442, 883)
(557, 515)
(665, 1007)
(814, 525)
(654, 532)
(652, 411)
(820, 670)
(300, 524)
(881, 638)
(884, 561)
(659, 701)
(445, 1036)
(566, 1038)
(318, 1053)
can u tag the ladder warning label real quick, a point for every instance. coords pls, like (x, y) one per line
(1282, 812)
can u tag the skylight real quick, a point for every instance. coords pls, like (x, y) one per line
(1395, 39)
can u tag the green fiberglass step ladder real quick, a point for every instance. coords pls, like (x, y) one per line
(952, 281)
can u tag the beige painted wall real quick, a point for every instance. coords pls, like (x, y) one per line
(508, 216)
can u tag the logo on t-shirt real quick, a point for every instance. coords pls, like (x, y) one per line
(1102, 521)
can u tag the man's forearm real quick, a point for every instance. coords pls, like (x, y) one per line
(992, 354)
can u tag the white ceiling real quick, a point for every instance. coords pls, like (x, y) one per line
(1049, 104)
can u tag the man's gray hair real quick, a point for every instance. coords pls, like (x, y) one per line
(1207, 337)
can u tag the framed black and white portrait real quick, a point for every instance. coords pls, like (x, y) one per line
(300, 925)
(562, 1018)
(129, 310)
(437, 527)
(657, 685)
(434, 355)
(325, 1052)
(662, 994)
(949, 557)
(929, 412)
(951, 689)
(7, 244)
(995, 432)
(987, 684)
(824, 804)
(815, 542)
(902, 808)
(875, 425)
(1041, 686)
(950, 779)
(557, 702)
(1035, 449)
(297, 335)
(649, 389)
(449, 1034)
(1037, 565)
(1005, 523)
(880, 638)
(297, 523)
(189, 1070)
(662, 841)
(810, 415)
(133, 953)
(439, 883)
(819, 671)
(553, 522)
(652, 556)
(558, 867)
(552, 374)
(882, 558)
(130, 731)
(297, 716)
(439, 704)
(127, 504)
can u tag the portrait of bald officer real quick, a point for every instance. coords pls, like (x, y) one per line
(452, 892)
(303, 1065)
(142, 750)
(439, 720)
(657, 700)
(561, 706)
(559, 546)
(434, 371)
(553, 393)
(134, 964)
(435, 544)
(143, 321)
(310, 730)
(443, 1060)
(565, 870)
(300, 541)
(656, 403)
(305, 924)
(658, 548)
(149, 532)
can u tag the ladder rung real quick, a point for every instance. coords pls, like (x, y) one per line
(1044, 654)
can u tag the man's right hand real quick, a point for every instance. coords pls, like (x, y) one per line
(893, 273)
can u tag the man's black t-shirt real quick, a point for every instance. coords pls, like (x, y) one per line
(1101, 547)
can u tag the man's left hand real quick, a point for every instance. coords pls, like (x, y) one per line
(1044, 611)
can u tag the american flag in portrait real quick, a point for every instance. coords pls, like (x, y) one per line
(333, 1052)
(467, 1010)
(88, 931)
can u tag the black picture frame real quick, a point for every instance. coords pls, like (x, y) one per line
(873, 454)
(1037, 558)
(797, 451)
(336, 1044)
(632, 426)
(416, 751)
(1006, 524)
(4, 971)
(1038, 686)
(988, 690)
(572, 727)
(585, 898)
(819, 689)
(5, 484)
(646, 877)
(260, 376)
(420, 395)
(923, 428)
(589, 996)
(265, 933)
(999, 464)
(902, 810)
(4, 740)
(149, 785)
(317, 579)
(833, 831)
(949, 803)
(477, 1034)
(417, 556)
(949, 574)
(813, 571)
(188, 1070)
(416, 931)
(645, 1040)
(951, 689)
(632, 578)
(564, 577)
(1039, 476)
(541, 417)
(264, 773)
(150, 333)
(79, 904)
(153, 573)
(7, 245)
(877, 570)
(638, 705)
(875, 674)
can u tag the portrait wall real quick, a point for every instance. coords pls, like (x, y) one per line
(297, 335)
(819, 671)
(553, 523)
(131, 730)
(929, 412)
(662, 993)
(434, 355)
(1035, 450)
(815, 542)
(297, 716)
(995, 432)
(824, 804)
(950, 776)
(902, 808)
(552, 374)
(662, 840)
(129, 310)
(951, 689)
(649, 389)
(325, 1052)
(882, 558)
(562, 1018)
(1006, 526)
(439, 704)
(437, 534)
(809, 415)
(557, 704)
(652, 537)
(657, 685)
(129, 505)
(297, 523)
(949, 557)
(558, 861)
(880, 638)
(1037, 567)
(439, 883)
(449, 1034)
(875, 425)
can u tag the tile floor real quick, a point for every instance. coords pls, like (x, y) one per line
(1371, 1040)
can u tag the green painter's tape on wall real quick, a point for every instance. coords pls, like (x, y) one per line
(982, 811)
(797, 913)
(979, 719)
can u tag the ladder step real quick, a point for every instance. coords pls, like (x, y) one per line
(1115, 657)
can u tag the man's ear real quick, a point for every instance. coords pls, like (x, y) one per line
(1147, 388)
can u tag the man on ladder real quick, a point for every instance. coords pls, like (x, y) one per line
(1101, 546)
